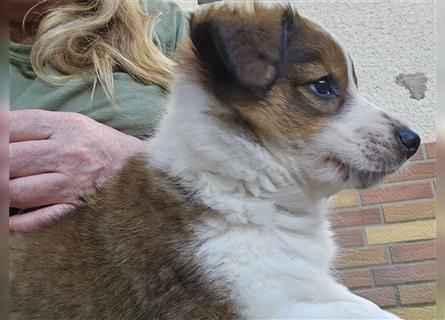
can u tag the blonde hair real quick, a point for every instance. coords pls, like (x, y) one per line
(93, 38)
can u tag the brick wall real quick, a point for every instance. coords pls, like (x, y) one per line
(387, 239)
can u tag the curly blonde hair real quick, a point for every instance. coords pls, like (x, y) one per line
(93, 38)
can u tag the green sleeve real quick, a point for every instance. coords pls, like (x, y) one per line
(172, 27)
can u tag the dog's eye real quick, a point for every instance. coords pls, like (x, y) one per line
(322, 87)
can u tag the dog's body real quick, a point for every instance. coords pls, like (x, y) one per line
(124, 254)
(226, 217)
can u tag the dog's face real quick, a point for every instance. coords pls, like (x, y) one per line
(286, 83)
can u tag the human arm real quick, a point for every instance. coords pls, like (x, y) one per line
(57, 156)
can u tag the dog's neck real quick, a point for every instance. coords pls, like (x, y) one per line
(231, 174)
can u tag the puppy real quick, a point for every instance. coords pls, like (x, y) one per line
(226, 217)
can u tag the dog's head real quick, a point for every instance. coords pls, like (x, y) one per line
(285, 83)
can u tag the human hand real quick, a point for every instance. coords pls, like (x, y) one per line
(4, 164)
(56, 156)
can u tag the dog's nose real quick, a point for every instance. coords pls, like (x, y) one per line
(410, 141)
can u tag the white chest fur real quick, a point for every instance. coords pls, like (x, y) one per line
(267, 267)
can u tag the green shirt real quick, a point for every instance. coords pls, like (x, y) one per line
(140, 106)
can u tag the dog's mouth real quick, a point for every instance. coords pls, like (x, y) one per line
(360, 177)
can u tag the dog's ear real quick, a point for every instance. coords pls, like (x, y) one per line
(242, 52)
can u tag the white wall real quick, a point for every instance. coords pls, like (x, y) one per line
(188, 5)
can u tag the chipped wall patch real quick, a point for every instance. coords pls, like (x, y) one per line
(414, 82)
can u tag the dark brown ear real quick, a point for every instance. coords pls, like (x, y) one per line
(242, 51)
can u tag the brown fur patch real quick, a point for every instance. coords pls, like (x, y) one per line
(283, 108)
(124, 254)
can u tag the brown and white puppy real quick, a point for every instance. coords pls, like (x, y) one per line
(226, 216)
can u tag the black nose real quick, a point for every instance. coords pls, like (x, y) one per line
(410, 140)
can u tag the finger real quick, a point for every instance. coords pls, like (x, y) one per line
(32, 124)
(38, 190)
(31, 158)
(34, 220)
(4, 125)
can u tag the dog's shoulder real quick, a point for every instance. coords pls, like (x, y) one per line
(125, 252)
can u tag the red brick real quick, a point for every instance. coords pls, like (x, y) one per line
(417, 293)
(347, 218)
(356, 278)
(345, 199)
(382, 296)
(413, 171)
(361, 257)
(396, 192)
(409, 211)
(350, 238)
(430, 150)
(408, 252)
(405, 273)
(415, 313)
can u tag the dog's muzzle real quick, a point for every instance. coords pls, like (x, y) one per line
(409, 140)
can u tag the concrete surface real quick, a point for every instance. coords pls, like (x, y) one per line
(416, 83)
